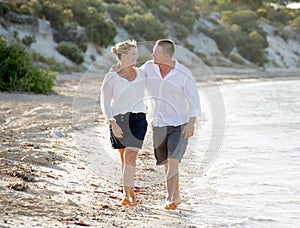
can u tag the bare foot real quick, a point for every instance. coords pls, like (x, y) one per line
(125, 202)
(177, 201)
(170, 205)
(133, 197)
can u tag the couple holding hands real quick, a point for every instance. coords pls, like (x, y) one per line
(164, 89)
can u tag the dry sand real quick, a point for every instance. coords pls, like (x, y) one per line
(54, 182)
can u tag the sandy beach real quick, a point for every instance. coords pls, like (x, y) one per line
(49, 181)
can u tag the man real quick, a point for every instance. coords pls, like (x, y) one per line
(173, 108)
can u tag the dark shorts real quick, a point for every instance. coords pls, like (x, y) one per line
(134, 127)
(168, 142)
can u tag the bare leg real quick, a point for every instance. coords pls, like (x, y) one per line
(129, 172)
(122, 151)
(172, 183)
(176, 196)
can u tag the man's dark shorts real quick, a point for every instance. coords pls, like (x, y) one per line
(168, 142)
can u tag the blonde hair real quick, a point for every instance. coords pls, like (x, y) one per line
(123, 47)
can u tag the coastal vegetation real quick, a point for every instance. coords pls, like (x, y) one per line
(18, 72)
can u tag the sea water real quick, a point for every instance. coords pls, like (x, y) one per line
(255, 179)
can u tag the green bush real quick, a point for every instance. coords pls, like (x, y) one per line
(118, 11)
(5, 7)
(102, 32)
(37, 57)
(224, 40)
(144, 27)
(55, 12)
(180, 31)
(295, 24)
(70, 33)
(252, 48)
(28, 40)
(137, 6)
(237, 33)
(149, 3)
(93, 57)
(71, 51)
(181, 12)
(280, 31)
(226, 6)
(18, 73)
(86, 13)
(282, 16)
(262, 12)
(246, 19)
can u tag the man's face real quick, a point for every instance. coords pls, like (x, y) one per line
(158, 55)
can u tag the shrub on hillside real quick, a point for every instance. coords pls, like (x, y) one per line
(225, 6)
(295, 24)
(56, 12)
(282, 16)
(102, 32)
(262, 12)
(137, 6)
(18, 73)
(86, 13)
(5, 7)
(252, 48)
(236, 33)
(143, 27)
(118, 11)
(28, 40)
(71, 51)
(180, 31)
(99, 29)
(71, 33)
(181, 12)
(224, 40)
(245, 18)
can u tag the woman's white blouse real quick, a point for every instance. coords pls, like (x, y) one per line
(118, 95)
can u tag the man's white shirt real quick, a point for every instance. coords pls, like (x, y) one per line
(172, 100)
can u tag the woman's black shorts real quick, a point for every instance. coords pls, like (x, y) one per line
(134, 127)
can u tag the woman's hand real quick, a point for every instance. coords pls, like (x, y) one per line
(117, 131)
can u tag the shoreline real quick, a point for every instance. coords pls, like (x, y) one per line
(224, 74)
(216, 74)
(48, 182)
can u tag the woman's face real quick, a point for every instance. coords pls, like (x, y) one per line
(130, 58)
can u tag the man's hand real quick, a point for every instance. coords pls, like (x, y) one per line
(115, 68)
(189, 128)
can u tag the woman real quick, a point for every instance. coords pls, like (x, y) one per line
(122, 103)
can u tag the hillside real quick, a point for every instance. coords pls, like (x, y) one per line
(261, 37)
